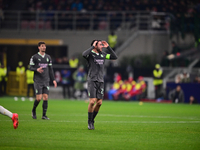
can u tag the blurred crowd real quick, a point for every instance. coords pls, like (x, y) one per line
(185, 13)
(127, 89)
(182, 6)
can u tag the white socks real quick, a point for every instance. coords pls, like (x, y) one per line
(5, 112)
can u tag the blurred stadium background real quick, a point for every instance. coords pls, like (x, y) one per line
(145, 29)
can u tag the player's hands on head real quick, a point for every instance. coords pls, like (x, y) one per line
(94, 44)
(40, 70)
(105, 44)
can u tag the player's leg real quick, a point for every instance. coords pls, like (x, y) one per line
(36, 103)
(5, 112)
(13, 116)
(38, 92)
(90, 113)
(45, 106)
(92, 94)
(100, 94)
(45, 93)
(90, 107)
(32, 86)
(96, 108)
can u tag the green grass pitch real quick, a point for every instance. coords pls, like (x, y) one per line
(118, 126)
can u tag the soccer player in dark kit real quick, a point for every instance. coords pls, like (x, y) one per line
(41, 64)
(96, 59)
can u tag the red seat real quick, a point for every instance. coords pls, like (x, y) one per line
(41, 25)
(32, 25)
(48, 25)
(24, 24)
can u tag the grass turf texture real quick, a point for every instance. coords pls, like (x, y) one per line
(119, 125)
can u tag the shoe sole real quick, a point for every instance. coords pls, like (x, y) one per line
(90, 128)
(45, 118)
(16, 125)
(34, 117)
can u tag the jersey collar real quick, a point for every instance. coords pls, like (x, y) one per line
(41, 55)
(95, 52)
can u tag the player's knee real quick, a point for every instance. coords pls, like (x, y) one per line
(38, 99)
(45, 97)
(99, 103)
(92, 101)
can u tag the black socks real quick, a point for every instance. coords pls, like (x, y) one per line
(45, 105)
(35, 104)
(92, 115)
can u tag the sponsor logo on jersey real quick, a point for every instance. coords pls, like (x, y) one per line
(43, 65)
(99, 61)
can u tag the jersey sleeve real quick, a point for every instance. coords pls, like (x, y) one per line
(111, 54)
(86, 53)
(51, 73)
(32, 64)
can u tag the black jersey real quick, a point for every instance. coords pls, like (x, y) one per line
(45, 62)
(96, 63)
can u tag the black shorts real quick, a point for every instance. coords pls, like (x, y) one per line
(41, 88)
(95, 89)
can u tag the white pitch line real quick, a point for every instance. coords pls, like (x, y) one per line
(125, 116)
(132, 122)
(136, 116)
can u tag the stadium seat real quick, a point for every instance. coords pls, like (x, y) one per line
(24, 24)
(103, 25)
(32, 25)
(48, 25)
(41, 25)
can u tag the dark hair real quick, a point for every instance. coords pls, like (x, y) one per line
(40, 43)
(94, 41)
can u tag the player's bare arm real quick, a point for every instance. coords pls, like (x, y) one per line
(55, 83)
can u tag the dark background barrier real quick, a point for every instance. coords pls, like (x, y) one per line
(189, 89)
